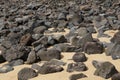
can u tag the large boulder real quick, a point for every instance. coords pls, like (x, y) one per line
(26, 73)
(76, 67)
(49, 54)
(16, 62)
(93, 48)
(79, 57)
(106, 70)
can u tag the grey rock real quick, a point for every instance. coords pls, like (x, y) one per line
(46, 69)
(116, 38)
(26, 73)
(93, 48)
(116, 76)
(76, 67)
(39, 29)
(79, 57)
(16, 62)
(32, 57)
(77, 76)
(65, 47)
(106, 70)
(49, 54)
(6, 68)
(36, 66)
(56, 62)
(60, 38)
(61, 16)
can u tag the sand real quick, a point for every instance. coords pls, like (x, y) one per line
(67, 56)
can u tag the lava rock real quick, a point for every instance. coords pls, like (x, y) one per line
(49, 54)
(106, 70)
(56, 62)
(36, 66)
(76, 67)
(16, 62)
(26, 73)
(114, 51)
(39, 30)
(79, 57)
(65, 47)
(116, 38)
(77, 76)
(6, 68)
(116, 76)
(32, 57)
(60, 38)
(96, 64)
(93, 48)
(16, 52)
(46, 69)
(80, 42)
(82, 31)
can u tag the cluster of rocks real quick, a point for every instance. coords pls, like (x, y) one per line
(24, 23)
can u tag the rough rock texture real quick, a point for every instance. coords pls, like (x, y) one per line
(76, 67)
(49, 54)
(106, 70)
(79, 57)
(116, 76)
(46, 69)
(93, 48)
(32, 57)
(77, 76)
(6, 68)
(26, 73)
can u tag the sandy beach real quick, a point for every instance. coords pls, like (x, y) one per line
(12, 75)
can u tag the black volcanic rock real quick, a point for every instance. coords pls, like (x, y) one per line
(26, 73)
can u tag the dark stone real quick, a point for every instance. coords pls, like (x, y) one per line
(116, 76)
(91, 29)
(6, 68)
(51, 41)
(77, 76)
(116, 38)
(26, 73)
(46, 69)
(79, 57)
(39, 30)
(76, 67)
(56, 62)
(80, 42)
(62, 16)
(65, 47)
(114, 51)
(93, 48)
(16, 52)
(82, 31)
(26, 39)
(2, 59)
(36, 66)
(16, 62)
(96, 64)
(106, 70)
(32, 57)
(49, 54)
(60, 38)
